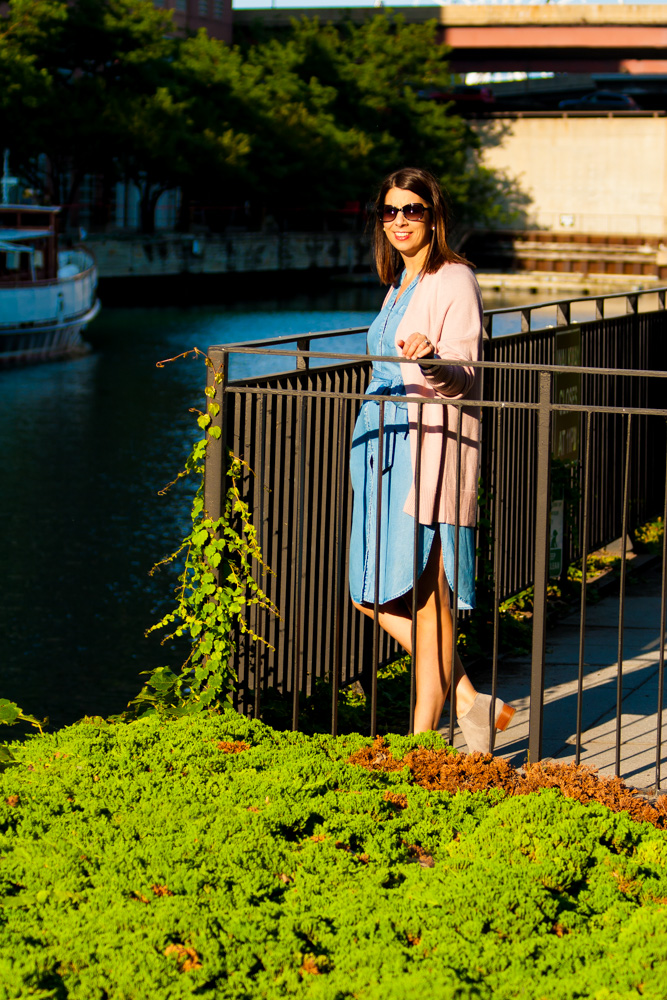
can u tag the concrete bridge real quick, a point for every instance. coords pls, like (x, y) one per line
(569, 38)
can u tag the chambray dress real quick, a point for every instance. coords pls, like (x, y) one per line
(397, 529)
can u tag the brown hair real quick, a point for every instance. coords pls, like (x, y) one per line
(388, 261)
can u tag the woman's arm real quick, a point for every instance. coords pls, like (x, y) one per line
(458, 309)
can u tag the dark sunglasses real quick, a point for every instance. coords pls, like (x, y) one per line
(411, 213)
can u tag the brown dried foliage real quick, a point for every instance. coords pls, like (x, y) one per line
(139, 896)
(441, 770)
(161, 890)
(187, 958)
(12, 801)
(417, 853)
(310, 966)
(396, 800)
(233, 746)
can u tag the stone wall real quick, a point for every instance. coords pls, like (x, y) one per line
(147, 256)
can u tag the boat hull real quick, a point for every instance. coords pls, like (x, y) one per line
(31, 343)
(44, 320)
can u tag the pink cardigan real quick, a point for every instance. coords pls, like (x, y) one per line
(447, 307)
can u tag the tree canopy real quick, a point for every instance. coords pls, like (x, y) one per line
(304, 122)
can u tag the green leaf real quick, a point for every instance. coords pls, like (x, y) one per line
(9, 712)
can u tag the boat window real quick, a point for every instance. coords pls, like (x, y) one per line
(12, 261)
(39, 258)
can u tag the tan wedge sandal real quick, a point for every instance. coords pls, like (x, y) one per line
(476, 723)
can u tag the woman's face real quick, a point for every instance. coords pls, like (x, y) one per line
(411, 239)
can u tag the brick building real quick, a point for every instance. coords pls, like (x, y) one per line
(190, 15)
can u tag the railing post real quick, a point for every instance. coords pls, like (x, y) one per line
(563, 314)
(216, 449)
(525, 320)
(487, 326)
(302, 344)
(541, 575)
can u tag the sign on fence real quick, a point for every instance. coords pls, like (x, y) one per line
(566, 432)
(567, 389)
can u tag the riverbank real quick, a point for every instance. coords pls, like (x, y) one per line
(178, 269)
(555, 283)
(186, 289)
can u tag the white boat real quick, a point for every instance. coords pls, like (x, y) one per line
(47, 296)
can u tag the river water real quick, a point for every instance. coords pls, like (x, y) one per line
(88, 443)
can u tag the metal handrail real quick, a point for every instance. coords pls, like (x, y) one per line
(526, 311)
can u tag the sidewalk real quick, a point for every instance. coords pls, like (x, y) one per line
(639, 736)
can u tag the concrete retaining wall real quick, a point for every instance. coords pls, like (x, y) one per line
(142, 256)
(585, 174)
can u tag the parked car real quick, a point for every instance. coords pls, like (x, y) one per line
(471, 97)
(600, 100)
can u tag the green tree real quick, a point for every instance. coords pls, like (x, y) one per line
(79, 60)
(310, 119)
(377, 71)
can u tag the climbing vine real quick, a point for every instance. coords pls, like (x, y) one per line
(215, 587)
(10, 715)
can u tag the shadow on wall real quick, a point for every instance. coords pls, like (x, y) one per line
(509, 206)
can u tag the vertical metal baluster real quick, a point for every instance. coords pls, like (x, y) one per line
(302, 344)
(621, 599)
(661, 659)
(339, 539)
(376, 595)
(542, 527)
(298, 639)
(498, 504)
(262, 403)
(415, 571)
(455, 605)
(588, 418)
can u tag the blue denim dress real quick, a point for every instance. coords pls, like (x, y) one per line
(397, 529)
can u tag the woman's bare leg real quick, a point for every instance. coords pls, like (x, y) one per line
(434, 643)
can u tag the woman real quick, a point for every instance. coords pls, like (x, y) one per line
(433, 310)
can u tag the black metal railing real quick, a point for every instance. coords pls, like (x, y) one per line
(601, 408)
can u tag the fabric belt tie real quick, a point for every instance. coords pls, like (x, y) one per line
(396, 418)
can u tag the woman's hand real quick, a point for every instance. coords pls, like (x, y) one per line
(417, 346)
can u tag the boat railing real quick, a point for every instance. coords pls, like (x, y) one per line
(79, 258)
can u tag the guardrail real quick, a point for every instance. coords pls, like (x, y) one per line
(578, 405)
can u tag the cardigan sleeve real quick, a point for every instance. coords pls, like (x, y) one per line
(457, 319)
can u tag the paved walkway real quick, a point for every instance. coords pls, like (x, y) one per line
(639, 735)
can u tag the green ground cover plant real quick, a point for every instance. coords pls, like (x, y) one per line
(212, 856)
